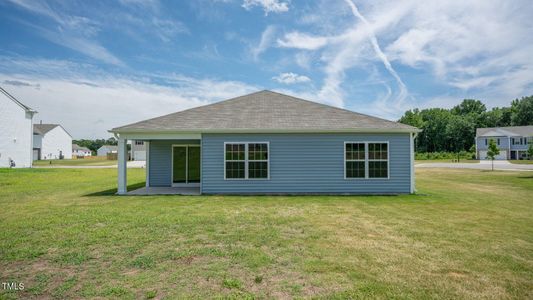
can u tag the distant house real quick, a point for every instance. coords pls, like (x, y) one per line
(51, 141)
(16, 127)
(512, 141)
(105, 149)
(270, 143)
(138, 150)
(80, 151)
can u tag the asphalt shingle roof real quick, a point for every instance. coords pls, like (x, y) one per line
(506, 131)
(78, 147)
(264, 111)
(42, 129)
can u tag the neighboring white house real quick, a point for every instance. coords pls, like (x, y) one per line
(138, 150)
(102, 151)
(80, 151)
(16, 121)
(51, 141)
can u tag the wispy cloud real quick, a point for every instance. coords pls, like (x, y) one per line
(290, 78)
(375, 45)
(265, 42)
(275, 6)
(304, 41)
(74, 32)
(106, 100)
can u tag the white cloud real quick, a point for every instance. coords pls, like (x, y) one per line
(290, 78)
(264, 43)
(275, 6)
(304, 41)
(451, 40)
(88, 101)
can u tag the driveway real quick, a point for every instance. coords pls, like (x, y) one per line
(131, 164)
(482, 165)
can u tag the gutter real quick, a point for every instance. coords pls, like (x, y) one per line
(245, 130)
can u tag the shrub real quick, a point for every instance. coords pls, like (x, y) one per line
(444, 155)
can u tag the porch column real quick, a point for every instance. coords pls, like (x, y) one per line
(412, 159)
(122, 166)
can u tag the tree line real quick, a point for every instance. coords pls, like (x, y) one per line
(454, 130)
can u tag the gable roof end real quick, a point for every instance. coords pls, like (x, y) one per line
(8, 95)
(43, 129)
(265, 111)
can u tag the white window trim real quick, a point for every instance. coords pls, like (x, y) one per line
(246, 160)
(367, 160)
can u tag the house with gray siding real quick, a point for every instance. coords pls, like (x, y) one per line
(512, 141)
(270, 143)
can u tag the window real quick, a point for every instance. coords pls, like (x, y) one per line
(498, 142)
(246, 160)
(355, 160)
(485, 142)
(378, 160)
(366, 160)
(140, 143)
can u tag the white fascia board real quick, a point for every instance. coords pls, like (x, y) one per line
(351, 130)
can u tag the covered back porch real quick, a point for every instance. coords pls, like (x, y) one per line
(173, 163)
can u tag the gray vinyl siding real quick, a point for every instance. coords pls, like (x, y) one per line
(160, 160)
(504, 142)
(306, 163)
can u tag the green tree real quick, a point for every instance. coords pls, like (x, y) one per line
(522, 111)
(460, 133)
(530, 150)
(469, 106)
(497, 117)
(492, 151)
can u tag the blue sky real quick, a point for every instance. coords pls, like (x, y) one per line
(94, 65)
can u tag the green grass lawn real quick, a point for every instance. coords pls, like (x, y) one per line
(467, 234)
(426, 161)
(522, 162)
(89, 161)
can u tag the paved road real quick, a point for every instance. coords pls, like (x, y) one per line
(482, 165)
(131, 164)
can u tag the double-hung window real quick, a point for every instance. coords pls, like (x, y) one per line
(246, 160)
(355, 160)
(366, 160)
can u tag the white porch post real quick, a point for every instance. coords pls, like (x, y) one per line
(412, 158)
(147, 165)
(122, 166)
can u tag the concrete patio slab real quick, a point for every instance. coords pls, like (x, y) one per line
(147, 191)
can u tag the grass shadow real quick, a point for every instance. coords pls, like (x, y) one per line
(113, 191)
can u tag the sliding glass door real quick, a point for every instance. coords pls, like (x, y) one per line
(186, 165)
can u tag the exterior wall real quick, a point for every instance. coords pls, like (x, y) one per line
(304, 163)
(504, 142)
(505, 145)
(102, 151)
(16, 134)
(55, 141)
(160, 160)
(81, 153)
(522, 147)
(139, 151)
